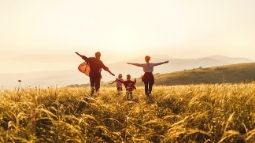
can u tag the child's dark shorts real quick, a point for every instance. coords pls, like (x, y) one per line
(119, 88)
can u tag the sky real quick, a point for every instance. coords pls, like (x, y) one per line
(42, 35)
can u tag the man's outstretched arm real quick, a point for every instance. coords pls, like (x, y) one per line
(108, 70)
(82, 56)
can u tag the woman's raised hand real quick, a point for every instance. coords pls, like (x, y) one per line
(166, 62)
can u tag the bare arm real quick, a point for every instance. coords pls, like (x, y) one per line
(108, 70)
(136, 64)
(157, 64)
(82, 56)
(112, 82)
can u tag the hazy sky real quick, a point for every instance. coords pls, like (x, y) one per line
(38, 35)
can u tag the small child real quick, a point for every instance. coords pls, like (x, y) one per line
(119, 82)
(130, 87)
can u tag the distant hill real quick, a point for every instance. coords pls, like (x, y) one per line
(73, 76)
(176, 64)
(235, 73)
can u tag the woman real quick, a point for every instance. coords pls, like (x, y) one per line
(148, 77)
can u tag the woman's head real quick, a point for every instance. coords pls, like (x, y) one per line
(147, 59)
(120, 76)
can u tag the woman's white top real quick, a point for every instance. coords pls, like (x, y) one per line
(147, 67)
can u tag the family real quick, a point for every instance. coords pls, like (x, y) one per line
(96, 65)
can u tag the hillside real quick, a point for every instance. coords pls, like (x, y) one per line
(175, 64)
(221, 74)
(236, 73)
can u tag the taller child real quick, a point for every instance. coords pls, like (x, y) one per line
(96, 66)
(148, 77)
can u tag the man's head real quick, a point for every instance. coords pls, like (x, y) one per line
(128, 77)
(147, 59)
(98, 55)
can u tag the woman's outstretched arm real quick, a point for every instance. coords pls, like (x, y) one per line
(136, 64)
(157, 64)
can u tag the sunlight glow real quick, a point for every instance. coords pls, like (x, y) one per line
(124, 39)
(36, 34)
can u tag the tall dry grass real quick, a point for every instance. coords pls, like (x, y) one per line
(221, 113)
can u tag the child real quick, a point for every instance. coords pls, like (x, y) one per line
(130, 87)
(119, 82)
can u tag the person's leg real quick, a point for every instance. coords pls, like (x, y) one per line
(150, 87)
(97, 84)
(119, 90)
(151, 83)
(146, 88)
(92, 85)
(127, 95)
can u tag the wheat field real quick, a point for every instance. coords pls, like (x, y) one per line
(220, 113)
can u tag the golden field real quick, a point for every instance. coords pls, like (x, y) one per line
(217, 113)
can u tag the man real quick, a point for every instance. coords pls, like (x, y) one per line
(96, 66)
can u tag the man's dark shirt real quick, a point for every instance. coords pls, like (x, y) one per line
(95, 66)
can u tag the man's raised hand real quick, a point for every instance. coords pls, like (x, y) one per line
(77, 53)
